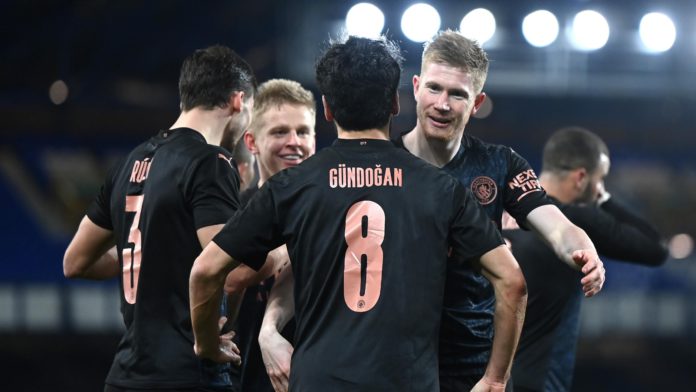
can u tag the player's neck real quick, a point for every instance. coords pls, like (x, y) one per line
(209, 123)
(363, 134)
(437, 152)
(262, 178)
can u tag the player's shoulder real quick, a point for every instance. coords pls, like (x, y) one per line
(475, 144)
(205, 154)
(577, 213)
(304, 172)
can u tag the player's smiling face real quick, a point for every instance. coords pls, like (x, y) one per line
(445, 100)
(286, 137)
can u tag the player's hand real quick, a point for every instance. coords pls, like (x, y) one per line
(276, 352)
(594, 271)
(226, 351)
(484, 385)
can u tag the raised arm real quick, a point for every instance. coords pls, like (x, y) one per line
(501, 269)
(88, 256)
(275, 349)
(570, 243)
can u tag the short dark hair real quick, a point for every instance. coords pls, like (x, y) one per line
(210, 76)
(359, 78)
(572, 148)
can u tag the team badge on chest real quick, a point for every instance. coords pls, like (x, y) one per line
(484, 189)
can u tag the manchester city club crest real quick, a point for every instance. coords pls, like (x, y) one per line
(484, 189)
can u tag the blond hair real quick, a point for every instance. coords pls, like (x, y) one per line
(276, 92)
(453, 49)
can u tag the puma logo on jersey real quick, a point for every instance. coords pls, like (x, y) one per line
(140, 170)
(228, 160)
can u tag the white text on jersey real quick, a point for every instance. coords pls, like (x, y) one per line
(359, 177)
(140, 170)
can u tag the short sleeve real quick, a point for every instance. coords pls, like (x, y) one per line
(99, 211)
(472, 232)
(214, 193)
(523, 192)
(252, 232)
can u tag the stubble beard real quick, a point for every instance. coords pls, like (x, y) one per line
(434, 134)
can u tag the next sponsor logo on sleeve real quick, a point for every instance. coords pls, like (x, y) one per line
(526, 182)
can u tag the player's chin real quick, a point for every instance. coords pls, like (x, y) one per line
(288, 163)
(443, 134)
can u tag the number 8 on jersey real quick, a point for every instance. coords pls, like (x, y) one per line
(362, 274)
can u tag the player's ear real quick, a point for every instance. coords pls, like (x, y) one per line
(236, 102)
(580, 177)
(478, 101)
(416, 84)
(395, 104)
(250, 142)
(328, 115)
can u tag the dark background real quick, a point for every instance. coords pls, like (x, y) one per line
(120, 62)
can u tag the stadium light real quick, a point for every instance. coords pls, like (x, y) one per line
(420, 22)
(681, 246)
(479, 25)
(365, 20)
(540, 28)
(589, 31)
(657, 32)
(58, 92)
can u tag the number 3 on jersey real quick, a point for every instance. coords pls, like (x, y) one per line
(132, 250)
(362, 274)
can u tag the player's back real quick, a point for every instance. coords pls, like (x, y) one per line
(369, 227)
(160, 196)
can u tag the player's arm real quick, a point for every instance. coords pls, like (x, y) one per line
(88, 256)
(243, 276)
(619, 233)
(275, 349)
(501, 269)
(205, 292)
(570, 243)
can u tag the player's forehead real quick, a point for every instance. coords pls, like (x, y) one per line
(446, 75)
(288, 115)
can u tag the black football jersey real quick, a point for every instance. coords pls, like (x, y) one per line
(166, 189)
(251, 375)
(368, 227)
(545, 356)
(500, 179)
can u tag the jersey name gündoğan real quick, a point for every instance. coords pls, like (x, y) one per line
(368, 228)
(166, 189)
(499, 179)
